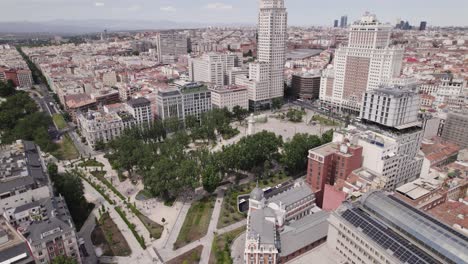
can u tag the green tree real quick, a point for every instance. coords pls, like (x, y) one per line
(7, 89)
(211, 178)
(295, 152)
(276, 103)
(63, 260)
(239, 113)
(327, 137)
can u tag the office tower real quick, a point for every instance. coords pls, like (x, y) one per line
(380, 228)
(456, 128)
(306, 85)
(367, 62)
(170, 45)
(391, 106)
(335, 23)
(196, 99)
(213, 68)
(266, 76)
(423, 25)
(344, 22)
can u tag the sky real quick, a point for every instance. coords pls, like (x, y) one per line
(300, 12)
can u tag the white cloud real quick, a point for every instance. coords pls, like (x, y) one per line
(218, 6)
(99, 4)
(167, 8)
(134, 8)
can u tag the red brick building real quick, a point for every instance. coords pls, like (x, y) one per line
(329, 163)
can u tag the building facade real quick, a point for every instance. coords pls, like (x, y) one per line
(266, 76)
(229, 96)
(329, 163)
(170, 104)
(170, 45)
(367, 62)
(283, 226)
(213, 68)
(391, 106)
(306, 86)
(456, 128)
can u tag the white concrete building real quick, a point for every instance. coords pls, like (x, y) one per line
(213, 67)
(367, 62)
(266, 76)
(229, 96)
(391, 106)
(170, 104)
(140, 109)
(393, 155)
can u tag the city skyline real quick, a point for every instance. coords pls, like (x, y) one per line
(239, 11)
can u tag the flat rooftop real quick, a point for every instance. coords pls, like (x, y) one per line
(300, 54)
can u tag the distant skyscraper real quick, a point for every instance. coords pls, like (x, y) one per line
(344, 22)
(170, 46)
(266, 76)
(423, 25)
(365, 64)
(335, 24)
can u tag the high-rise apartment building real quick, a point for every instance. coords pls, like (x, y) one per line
(266, 76)
(423, 25)
(367, 62)
(344, 22)
(335, 23)
(380, 228)
(456, 128)
(170, 45)
(213, 68)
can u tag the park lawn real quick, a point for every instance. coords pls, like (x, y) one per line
(59, 121)
(221, 247)
(91, 163)
(229, 213)
(66, 150)
(196, 222)
(191, 257)
(325, 121)
(154, 228)
(108, 236)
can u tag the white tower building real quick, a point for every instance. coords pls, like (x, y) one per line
(266, 76)
(366, 63)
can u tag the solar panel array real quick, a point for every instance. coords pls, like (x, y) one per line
(387, 239)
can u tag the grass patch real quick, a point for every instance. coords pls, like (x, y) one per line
(59, 121)
(325, 121)
(108, 236)
(196, 222)
(66, 150)
(90, 163)
(191, 257)
(153, 228)
(229, 213)
(220, 249)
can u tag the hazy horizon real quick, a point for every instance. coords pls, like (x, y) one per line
(300, 12)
